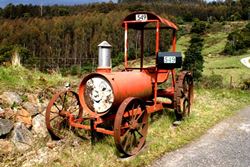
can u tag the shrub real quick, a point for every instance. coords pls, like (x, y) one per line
(199, 27)
(6, 53)
(212, 81)
(238, 41)
(246, 84)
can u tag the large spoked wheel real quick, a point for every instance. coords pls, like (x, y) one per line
(183, 96)
(56, 119)
(130, 127)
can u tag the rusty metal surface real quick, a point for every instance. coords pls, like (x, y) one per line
(124, 84)
(56, 119)
(130, 132)
(183, 96)
(152, 17)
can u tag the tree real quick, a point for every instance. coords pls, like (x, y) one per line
(238, 41)
(193, 60)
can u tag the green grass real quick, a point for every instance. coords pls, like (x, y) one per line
(22, 79)
(214, 44)
(227, 66)
(183, 43)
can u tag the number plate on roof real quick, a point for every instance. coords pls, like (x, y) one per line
(169, 60)
(141, 17)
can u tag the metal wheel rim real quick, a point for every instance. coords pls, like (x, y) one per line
(56, 122)
(183, 94)
(122, 135)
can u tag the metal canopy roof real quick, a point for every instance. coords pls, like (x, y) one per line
(135, 24)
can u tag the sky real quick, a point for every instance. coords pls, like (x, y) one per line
(3, 3)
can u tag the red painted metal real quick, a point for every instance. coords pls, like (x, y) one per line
(126, 46)
(123, 86)
(151, 17)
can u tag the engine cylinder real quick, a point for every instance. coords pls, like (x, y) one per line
(101, 92)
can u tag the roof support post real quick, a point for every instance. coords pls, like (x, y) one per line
(126, 46)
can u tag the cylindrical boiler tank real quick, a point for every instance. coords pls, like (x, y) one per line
(101, 92)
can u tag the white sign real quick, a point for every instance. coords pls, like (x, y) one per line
(169, 60)
(141, 17)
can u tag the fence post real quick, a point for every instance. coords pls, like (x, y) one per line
(231, 82)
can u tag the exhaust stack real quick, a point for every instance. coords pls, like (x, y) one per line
(104, 57)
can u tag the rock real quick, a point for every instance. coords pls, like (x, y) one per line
(9, 113)
(31, 108)
(51, 144)
(32, 98)
(177, 123)
(39, 126)
(24, 116)
(5, 126)
(22, 137)
(42, 107)
(10, 98)
(6, 147)
(42, 157)
(1, 113)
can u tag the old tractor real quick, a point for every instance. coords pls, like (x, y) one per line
(125, 99)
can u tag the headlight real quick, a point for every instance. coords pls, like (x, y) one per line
(98, 94)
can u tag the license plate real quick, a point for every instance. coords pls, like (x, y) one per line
(169, 59)
(141, 17)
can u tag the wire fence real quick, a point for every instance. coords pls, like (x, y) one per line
(45, 64)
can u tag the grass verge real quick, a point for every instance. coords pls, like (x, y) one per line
(22, 79)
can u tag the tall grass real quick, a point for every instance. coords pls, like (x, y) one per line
(20, 79)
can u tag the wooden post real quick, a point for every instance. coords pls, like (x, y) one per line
(231, 82)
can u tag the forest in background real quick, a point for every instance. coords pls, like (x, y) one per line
(61, 36)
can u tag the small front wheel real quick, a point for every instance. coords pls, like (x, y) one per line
(56, 120)
(131, 125)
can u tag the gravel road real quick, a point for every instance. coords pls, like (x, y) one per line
(225, 145)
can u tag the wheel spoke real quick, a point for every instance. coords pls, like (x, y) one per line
(56, 123)
(57, 107)
(64, 99)
(132, 126)
(139, 132)
(127, 138)
(54, 118)
(139, 116)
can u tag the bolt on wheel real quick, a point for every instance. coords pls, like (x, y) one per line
(56, 120)
(131, 125)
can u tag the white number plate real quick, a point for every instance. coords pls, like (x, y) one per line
(169, 60)
(141, 17)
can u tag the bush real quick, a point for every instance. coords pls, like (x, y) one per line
(199, 27)
(75, 70)
(246, 84)
(6, 53)
(238, 41)
(212, 81)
